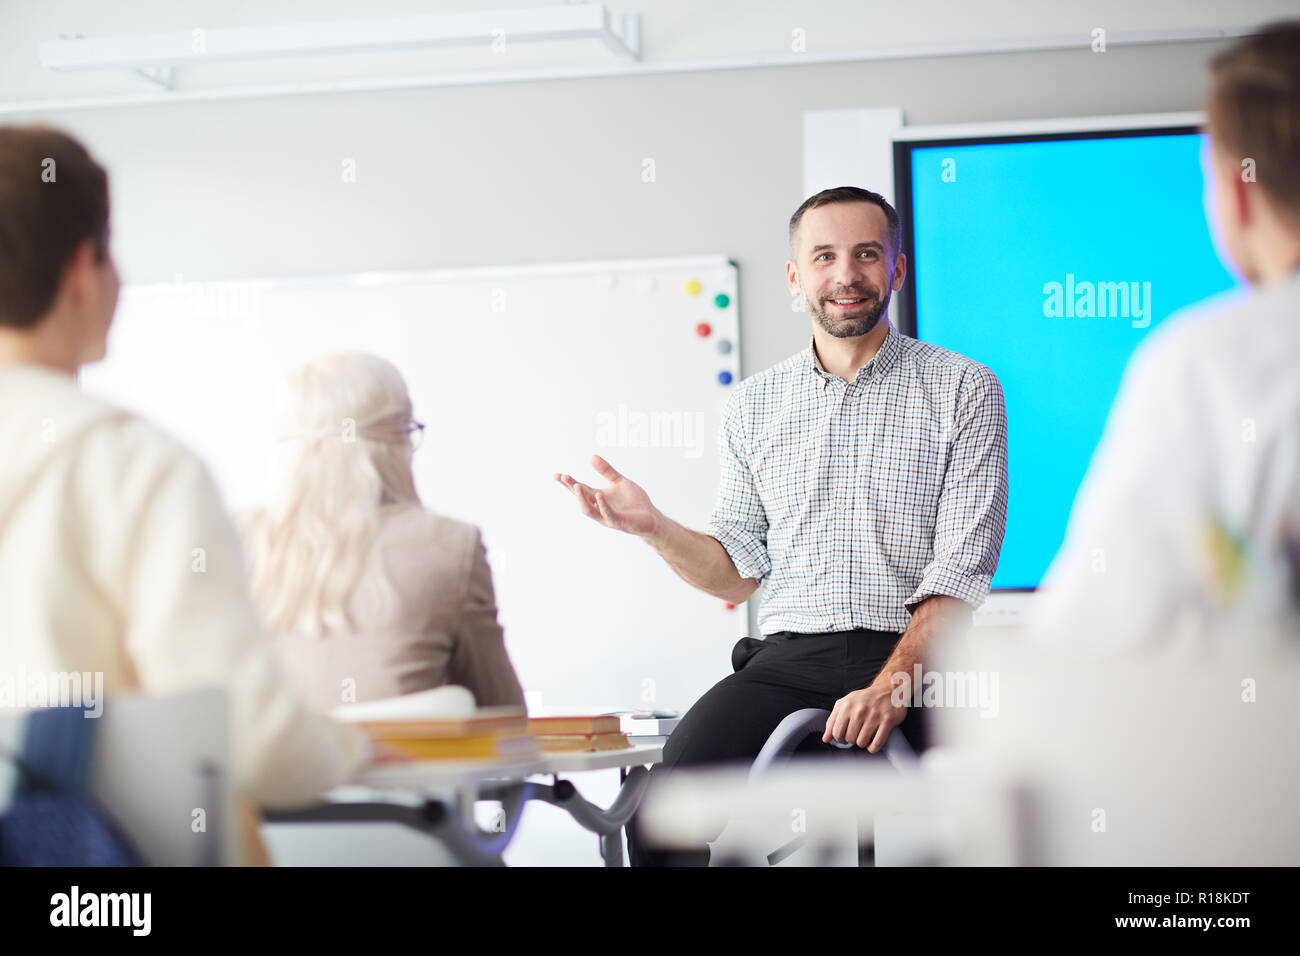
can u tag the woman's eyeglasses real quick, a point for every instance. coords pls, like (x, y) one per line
(415, 431)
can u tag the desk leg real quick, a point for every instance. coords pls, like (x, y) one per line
(611, 848)
(607, 824)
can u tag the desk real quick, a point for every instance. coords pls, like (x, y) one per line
(437, 797)
(639, 755)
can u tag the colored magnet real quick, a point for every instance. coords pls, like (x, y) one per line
(729, 606)
(724, 346)
(692, 286)
(703, 330)
(722, 300)
(724, 377)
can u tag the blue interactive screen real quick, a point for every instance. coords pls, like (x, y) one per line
(1048, 260)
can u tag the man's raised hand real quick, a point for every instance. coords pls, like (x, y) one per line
(623, 505)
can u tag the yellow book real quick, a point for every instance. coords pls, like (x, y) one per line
(477, 747)
(511, 725)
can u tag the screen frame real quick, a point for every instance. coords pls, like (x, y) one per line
(906, 139)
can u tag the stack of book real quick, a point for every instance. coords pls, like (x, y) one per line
(578, 734)
(502, 735)
(444, 724)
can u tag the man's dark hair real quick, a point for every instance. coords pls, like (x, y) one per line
(1254, 109)
(851, 194)
(53, 197)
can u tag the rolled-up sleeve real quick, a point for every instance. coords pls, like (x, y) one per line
(972, 513)
(739, 521)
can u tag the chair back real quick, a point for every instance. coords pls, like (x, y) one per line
(159, 768)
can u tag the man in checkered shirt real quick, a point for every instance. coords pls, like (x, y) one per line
(864, 486)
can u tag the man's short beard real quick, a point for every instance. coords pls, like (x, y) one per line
(850, 328)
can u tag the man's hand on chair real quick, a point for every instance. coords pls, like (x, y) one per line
(865, 717)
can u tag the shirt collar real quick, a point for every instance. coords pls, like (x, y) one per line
(880, 363)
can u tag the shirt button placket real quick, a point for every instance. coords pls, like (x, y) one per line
(842, 465)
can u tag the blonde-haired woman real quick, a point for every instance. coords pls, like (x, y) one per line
(369, 594)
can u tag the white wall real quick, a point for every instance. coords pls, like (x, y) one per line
(551, 171)
(674, 33)
(546, 171)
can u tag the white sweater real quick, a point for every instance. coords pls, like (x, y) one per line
(116, 556)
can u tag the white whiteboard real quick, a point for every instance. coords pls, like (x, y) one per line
(517, 373)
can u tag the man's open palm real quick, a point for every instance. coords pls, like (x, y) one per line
(623, 505)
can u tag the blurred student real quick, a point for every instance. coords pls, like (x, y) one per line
(371, 596)
(116, 555)
(1188, 523)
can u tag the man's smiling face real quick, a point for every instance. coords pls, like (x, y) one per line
(845, 265)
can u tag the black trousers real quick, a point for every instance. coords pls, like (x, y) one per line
(773, 678)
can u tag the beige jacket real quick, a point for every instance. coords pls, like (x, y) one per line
(117, 557)
(425, 615)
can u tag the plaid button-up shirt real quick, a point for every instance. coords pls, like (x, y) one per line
(851, 502)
